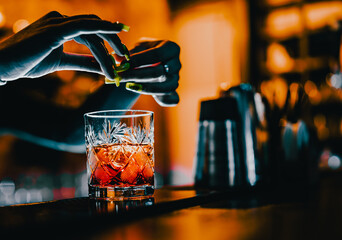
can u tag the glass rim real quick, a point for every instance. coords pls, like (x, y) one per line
(133, 113)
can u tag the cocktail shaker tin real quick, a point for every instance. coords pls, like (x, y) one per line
(229, 152)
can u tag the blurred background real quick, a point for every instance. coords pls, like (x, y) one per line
(286, 49)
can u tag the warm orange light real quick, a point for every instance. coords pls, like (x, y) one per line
(278, 60)
(19, 25)
(2, 19)
(309, 87)
(312, 91)
(323, 14)
(280, 2)
(82, 84)
(291, 21)
(66, 76)
(275, 90)
(323, 133)
(319, 121)
(293, 93)
(213, 38)
(284, 23)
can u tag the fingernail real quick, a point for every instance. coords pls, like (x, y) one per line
(109, 81)
(123, 67)
(127, 57)
(134, 86)
(116, 81)
(125, 28)
(126, 52)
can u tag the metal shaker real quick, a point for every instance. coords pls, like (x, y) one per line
(232, 149)
(254, 134)
(217, 158)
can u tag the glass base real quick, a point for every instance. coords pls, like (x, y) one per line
(121, 193)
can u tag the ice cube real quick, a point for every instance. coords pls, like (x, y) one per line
(101, 176)
(130, 173)
(147, 172)
(112, 172)
(103, 155)
(120, 157)
(141, 158)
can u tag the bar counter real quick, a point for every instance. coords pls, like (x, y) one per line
(183, 213)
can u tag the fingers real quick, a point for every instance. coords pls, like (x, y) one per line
(168, 100)
(163, 93)
(52, 14)
(143, 74)
(67, 28)
(155, 71)
(73, 28)
(113, 40)
(155, 88)
(165, 51)
(90, 31)
(146, 44)
(100, 52)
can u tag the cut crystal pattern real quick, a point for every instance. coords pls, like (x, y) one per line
(119, 133)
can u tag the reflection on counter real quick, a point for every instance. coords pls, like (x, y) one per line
(38, 184)
(100, 207)
(28, 188)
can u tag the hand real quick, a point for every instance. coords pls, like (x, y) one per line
(38, 49)
(154, 69)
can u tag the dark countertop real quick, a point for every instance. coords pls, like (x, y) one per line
(183, 213)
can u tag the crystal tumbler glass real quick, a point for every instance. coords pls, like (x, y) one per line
(120, 154)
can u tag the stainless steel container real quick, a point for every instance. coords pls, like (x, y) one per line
(232, 141)
(217, 158)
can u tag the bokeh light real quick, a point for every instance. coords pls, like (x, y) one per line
(19, 25)
(2, 19)
(334, 162)
(278, 59)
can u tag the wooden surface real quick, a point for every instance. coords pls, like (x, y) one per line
(187, 214)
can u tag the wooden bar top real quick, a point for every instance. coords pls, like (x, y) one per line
(183, 213)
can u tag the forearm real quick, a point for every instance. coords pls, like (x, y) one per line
(56, 127)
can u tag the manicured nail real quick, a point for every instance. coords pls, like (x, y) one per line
(125, 28)
(116, 81)
(123, 67)
(108, 81)
(126, 52)
(134, 86)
